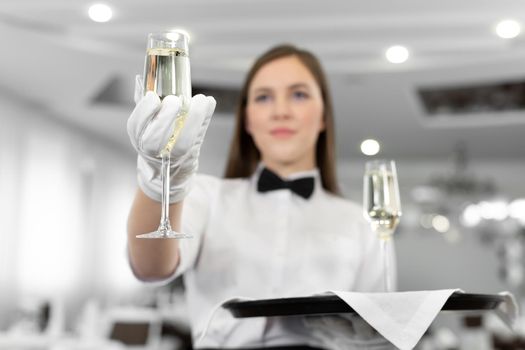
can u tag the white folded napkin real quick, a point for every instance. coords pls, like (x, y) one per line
(403, 317)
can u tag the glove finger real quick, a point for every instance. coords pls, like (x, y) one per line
(211, 108)
(141, 116)
(199, 139)
(197, 115)
(139, 88)
(160, 129)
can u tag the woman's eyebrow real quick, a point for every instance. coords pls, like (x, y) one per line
(261, 89)
(289, 87)
(298, 85)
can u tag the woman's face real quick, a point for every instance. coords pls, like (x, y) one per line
(284, 113)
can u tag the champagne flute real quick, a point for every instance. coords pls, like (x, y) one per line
(167, 72)
(382, 206)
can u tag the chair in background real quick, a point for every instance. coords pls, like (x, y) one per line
(136, 328)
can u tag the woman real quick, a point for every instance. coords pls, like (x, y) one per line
(275, 227)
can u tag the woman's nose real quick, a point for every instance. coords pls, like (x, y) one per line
(281, 108)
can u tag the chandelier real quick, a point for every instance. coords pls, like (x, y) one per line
(461, 202)
(446, 196)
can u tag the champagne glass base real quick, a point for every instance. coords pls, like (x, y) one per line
(164, 234)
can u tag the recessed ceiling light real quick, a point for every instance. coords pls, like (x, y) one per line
(397, 54)
(370, 147)
(508, 29)
(100, 13)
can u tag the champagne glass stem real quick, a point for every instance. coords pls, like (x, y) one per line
(179, 124)
(386, 264)
(165, 173)
(165, 177)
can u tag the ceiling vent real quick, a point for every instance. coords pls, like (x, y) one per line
(117, 91)
(474, 99)
(226, 97)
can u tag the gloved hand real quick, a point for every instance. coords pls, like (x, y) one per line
(150, 125)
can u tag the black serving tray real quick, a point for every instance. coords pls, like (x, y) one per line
(332, 304)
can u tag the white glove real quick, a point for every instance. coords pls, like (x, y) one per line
(151, 124)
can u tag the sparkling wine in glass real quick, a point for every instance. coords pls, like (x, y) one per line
(167, 72)
(382, 206)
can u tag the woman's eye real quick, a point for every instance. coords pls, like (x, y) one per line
(300, 95)
(262, 98)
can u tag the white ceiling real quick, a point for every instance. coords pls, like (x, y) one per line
(55, 57)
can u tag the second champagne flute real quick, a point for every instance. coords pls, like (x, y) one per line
(382, 206)
(167, 72)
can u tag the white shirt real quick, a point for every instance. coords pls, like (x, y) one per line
(268, 245)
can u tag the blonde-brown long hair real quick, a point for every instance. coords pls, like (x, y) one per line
(244, 155)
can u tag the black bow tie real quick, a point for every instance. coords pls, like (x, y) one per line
(269, 181)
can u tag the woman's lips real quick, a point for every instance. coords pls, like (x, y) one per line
(282, 132)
